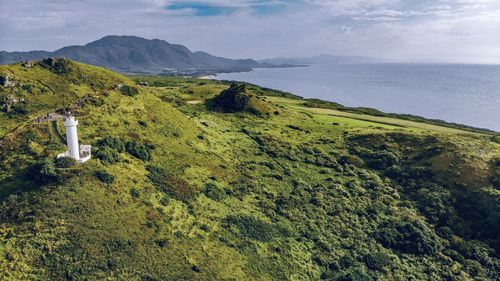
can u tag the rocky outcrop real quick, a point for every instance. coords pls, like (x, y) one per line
(237, 98)
(8, 102)
(6, 81)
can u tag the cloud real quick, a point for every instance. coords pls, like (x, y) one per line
(451, 30)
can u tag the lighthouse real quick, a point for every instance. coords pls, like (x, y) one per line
(70, 124)
(80, 153)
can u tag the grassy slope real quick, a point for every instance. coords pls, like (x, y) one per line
(294, 196)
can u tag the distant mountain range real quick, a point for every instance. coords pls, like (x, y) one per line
(131, 54)
(319, 59)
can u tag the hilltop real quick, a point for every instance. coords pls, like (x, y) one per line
(132, 54)
(237, 98)
(179, 191)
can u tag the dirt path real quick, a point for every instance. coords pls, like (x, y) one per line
(47, 118)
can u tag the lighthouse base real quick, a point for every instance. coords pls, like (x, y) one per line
(85, 154)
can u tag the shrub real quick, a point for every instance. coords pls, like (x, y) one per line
(171, 185)
(495, 180)
(377, 260)
(497, 161)
(129, 90)
(214, 192)
(112, 142)
(138, 150)
(45, 171)
(56, 65)
(108, 155)
(408, 237)
(351, 160)
(252, 227)
(105, 177)
(495, 138)
(19, 109)
(435, 204)
(475, 250)
(355, 274)
(143, 123)
(135, 193)
(65, 162)
(381, 160)
(162, 242)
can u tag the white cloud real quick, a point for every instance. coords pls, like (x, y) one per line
(449, 30)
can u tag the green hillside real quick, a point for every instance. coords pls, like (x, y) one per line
(180, 189)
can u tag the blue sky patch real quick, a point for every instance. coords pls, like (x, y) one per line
(202, 9)
(266, 9)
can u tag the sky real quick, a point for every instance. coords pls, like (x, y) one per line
(462, 31)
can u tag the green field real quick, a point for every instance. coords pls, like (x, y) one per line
(182, 187)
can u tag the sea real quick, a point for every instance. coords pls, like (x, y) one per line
(465, 94)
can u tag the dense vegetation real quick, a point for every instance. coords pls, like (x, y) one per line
(179, 191)
(238, 99)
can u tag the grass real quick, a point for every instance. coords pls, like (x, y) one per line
(286, 197)
(375, 120)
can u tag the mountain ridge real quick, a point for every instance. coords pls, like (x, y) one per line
(132, 54)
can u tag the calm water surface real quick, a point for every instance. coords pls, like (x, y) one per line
(467, 94)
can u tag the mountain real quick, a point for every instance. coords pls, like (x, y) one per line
(205, 180)
(320, 59)
(131, 54)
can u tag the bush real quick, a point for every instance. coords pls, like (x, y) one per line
(112, 142)
(108, 155)
(129, 90)
(65, 162)
(381, 160)
(495, 180)
(355, 274)
(171, 185)
(253, 228)
(408, 237)
(495, 138)
(105, 177)
(351, 160)
(135, 193)
(475, 250)
(45, 171)
(377, 260)
(214, 192)
(56, 65)
(143, 123)
(19, 109)
(138, 150)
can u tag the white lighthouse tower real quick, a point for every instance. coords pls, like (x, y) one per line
(80, 153)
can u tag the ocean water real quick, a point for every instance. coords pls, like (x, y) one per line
(466, 94)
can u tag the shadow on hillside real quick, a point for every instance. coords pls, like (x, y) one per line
(16, 184)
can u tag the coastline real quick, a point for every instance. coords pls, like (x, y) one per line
(450, 95)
